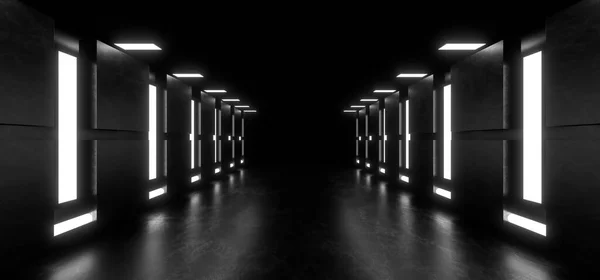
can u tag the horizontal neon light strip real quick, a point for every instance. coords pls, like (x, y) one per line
(74, 223)
(215, 90)
(241, 106)
(457, 47)
(384, 90)
(404, 178)
(411, 75)
(217, 170)
(368, 100)
(349, 111)
(525, 223)
(382, 170)
(195, 178)
(157, 192)
(357, 106)
(442, 192)
(231, 100)
(188, 75)
(249, 111)
(138, 47)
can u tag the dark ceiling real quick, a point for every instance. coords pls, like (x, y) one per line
(289, 50)
(299, 56)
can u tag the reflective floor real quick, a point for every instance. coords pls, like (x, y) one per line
(293, 224)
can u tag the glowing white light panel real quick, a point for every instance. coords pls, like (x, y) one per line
(217, 170)
(157, 192)
(215, 91)
(195, 178)
(368, 100)
(407, 153)
(193, 131)
(384, 90)
(382, 170)
(384, 135)
(138, 46)
(464, 46)
(442, 192)
(447, 132)
(215, 136)
(232, 164)
(368, 165)
(152, 133)
(74, 223)
(188, 75)
(525, 223)
(404, 178)
(67, 127)
(411, 75)
(532, 127)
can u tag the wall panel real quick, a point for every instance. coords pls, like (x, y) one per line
(122, 102)
(478, 84)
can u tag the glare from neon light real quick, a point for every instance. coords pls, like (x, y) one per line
(217, 170)
(382, 170)
(368, 100)
(215, 91)
(525, 223)
(195, 178)
(231, 100)
(404, 178)
(442, 192)
(357, 106)
(232, 164)
(157, 192)
(74, 223)
(368, 165)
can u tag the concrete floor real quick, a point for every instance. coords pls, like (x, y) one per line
(296, 224)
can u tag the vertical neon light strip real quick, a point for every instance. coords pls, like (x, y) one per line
(220, 143)
(67, 127)
(243, 136)
(407, 154)
(379, 120)
(199, 133)
(366, 134)
(215, 135)
(152, 133)
(384, 136)
(448, 132)
(233, 135)
(357, 136)
(192, 132)
(434, 131)
(532, 127)
(400, 164)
